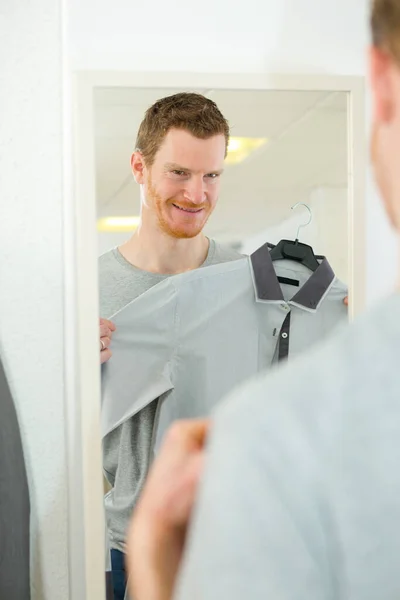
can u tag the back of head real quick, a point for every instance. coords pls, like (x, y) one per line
(385, 26)
(191, 112)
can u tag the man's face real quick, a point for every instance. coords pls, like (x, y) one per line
(182, 185)
(385, 141)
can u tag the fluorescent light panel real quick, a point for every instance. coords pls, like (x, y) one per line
(109, 224)
(241, 147)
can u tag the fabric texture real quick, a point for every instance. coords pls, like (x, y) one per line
(300, 496)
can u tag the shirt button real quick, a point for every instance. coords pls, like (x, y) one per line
(284, 335)
(284, 306)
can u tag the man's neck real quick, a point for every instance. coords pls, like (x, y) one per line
(160, 253)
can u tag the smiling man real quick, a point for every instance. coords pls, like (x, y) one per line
(178, 162)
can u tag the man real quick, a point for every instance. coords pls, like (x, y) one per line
(178, 163)
(181, 147)
(300, 496)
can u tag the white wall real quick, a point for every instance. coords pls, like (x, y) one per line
(31, 266)
(270, 35)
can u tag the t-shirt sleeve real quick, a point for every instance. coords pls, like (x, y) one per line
(143, 344)
(256, 531)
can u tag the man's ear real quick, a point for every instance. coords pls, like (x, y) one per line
(138, 166)
(380, 73)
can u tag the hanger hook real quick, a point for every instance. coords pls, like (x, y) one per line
(304, 224)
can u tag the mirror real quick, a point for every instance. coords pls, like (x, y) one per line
(261, 280)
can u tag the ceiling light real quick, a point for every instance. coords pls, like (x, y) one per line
(240, 148)
(234, 145)
(109, 224)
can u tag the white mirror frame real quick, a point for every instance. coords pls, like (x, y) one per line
(86, 513)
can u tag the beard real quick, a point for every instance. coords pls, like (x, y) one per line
(182, 227)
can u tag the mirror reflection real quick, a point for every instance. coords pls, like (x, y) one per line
(223, 245)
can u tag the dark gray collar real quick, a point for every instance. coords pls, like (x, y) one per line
(268, 287)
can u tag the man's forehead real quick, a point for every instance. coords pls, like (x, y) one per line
(192, 153)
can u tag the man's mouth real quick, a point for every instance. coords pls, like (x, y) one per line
(187, 210)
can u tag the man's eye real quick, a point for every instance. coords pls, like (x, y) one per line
(212, 175)
(179, 173)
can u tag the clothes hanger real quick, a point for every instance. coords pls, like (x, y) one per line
(295, 250)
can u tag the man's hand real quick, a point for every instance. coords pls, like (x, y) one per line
(106, 330)
(346, 301)
(157, 533)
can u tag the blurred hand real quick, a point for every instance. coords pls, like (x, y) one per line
(157, 532)
(106, 330)
(346, 301)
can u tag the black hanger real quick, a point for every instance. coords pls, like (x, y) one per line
(295, 250)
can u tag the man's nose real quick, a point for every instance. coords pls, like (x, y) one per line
(195, 191)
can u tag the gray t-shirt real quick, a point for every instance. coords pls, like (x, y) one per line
(127, 450)
(300, 497)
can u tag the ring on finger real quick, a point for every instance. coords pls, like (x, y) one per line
(103, 346)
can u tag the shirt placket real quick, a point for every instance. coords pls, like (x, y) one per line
(284, 339)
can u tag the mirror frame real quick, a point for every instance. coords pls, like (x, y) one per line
(85, 483)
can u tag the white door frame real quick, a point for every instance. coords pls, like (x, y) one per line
(87, 556)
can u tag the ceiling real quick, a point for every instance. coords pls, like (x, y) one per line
(306, 149)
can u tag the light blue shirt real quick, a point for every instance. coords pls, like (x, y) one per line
(193, 337)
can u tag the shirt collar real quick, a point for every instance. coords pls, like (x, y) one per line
(268, 288)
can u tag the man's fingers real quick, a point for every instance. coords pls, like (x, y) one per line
(188, 434)
(104, 343)
(105, 331)
(105, 355)
(108, 324)
(177, 505)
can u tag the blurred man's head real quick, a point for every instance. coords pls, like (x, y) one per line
(385, 84)
(180, 152)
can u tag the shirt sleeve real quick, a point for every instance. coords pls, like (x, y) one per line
(256, 532)
(143, 344)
